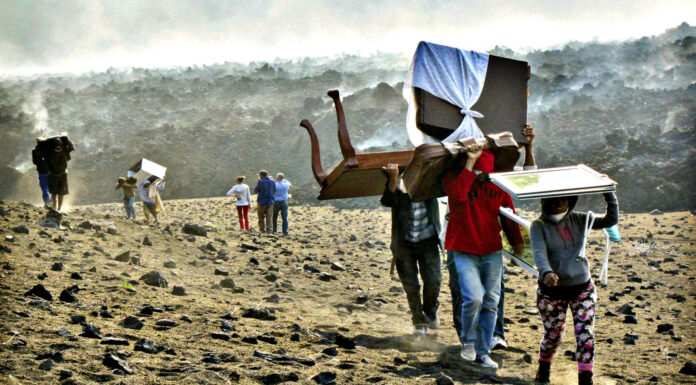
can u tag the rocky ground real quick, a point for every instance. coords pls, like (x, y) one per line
(318, 306)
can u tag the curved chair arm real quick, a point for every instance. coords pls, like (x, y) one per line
(343, 139)
(317, 169)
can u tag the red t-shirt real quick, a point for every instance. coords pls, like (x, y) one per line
(473, 226)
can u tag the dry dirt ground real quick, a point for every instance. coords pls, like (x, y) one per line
(320, 309)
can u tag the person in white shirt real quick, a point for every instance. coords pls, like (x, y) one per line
(241, 193)
(149, 194)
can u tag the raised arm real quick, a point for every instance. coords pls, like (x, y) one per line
(389, 197)
(611, 217)
(529, 161)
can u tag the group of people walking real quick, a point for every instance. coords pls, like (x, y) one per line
(149, 194)
(474, 259)
(272, 201)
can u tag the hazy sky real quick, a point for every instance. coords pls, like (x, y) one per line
(83, 35)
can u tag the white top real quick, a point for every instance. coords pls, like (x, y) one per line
(241, 193)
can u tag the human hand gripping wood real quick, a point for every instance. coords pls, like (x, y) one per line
(392, 171)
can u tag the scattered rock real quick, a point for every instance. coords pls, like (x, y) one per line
(689, 368)
(65, 374)
(132, 322)
(76, 276)
(67, 296)
(155, 278)
(146, 241)
(179, 290)
(220, 336)
(332, 351)
(665, 328)
(221, 271)
(629, 319)
(227, 283)
(114, 362)
(194, 229)
(211, 359)
(225, 325)
(326, 277)
(21, 229)
(260, 314)
(123, 256)
(170, 264)
(147, 346)
(114, 341)
(278, 378)
(166, 323)
(337, 266)
(63, 331)
(46, 365)
(90, 331)
(325, 378)
(39, 291)
(344, 342)
(444, 379)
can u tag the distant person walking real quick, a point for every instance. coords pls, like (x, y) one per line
(265, 188)
(280, 206)
(243, 201)
(38, 156)
(149, 194)
(57, 161)
(558, 239)
(128, 185)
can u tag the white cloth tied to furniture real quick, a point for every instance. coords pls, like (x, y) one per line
(454, 75)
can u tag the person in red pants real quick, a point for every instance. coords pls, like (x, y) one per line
(241, 193)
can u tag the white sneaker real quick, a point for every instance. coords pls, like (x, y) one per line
(419, 330)
(468, 353)
(487, 362)
(498, 343)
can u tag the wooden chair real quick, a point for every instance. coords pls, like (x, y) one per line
(358, 175)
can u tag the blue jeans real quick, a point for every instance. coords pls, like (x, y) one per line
(43, 183)
(500, 322)
(479, 283)
(128, 204)
(282, 208)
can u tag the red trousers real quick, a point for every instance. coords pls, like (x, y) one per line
(243, 213)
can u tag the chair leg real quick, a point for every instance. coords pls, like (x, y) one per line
(317, 169)
(343, 139)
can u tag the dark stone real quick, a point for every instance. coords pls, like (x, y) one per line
(155, 278)
(267, 338)
(21, 229)
(211, 358)
(186, 318)
(77, 319)
(116, 363)
(677, 297)
(326, 277)
(253, 261)
(689, 368)
(311, 269)
(67, 296)
(221, 271)
(278, 358)
(344, 342)
(167, 323)
(147, 346)
(629, 319)
(46, 365)
(325, 378)
(610, 313)
(228, 316)
(250, 340)
(132, 322)
(123, 257)
(194, 229)
(170, 264)
(54, 356)
(179, 290)
(75, 276)
(90, 331)
(278, 378)
(337, 266)
(39, 291)
(295, 337)
(527, 358)
(271, 277)
(665, 328)
(147, 242)
(626, 309)
(149, 310)
(220, 336)
(260, 314)
(332, 351)
(246, 246)
(114, 341)
(63, 331)
(227, 283)
(65, 374)
(224, 325)
(273, 298)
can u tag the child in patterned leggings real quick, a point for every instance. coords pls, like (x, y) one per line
(557, 238)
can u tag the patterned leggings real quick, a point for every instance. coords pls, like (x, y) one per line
(553, 314)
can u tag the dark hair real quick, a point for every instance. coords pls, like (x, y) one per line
(131, 180)
(241, 178)
(263, 173)
(505, 158)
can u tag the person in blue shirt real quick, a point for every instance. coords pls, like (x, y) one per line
(265, 188)
(281, 202)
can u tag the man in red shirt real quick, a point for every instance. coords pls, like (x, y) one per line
(473, 237)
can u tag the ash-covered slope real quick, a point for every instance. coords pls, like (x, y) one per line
(245, 308)
(628, 109)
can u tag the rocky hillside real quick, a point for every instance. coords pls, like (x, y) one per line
(628, 109)
(105, 300)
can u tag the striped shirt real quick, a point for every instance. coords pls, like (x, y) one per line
(419, 227)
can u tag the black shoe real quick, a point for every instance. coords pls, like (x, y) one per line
(585, 377)
(543, 375)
